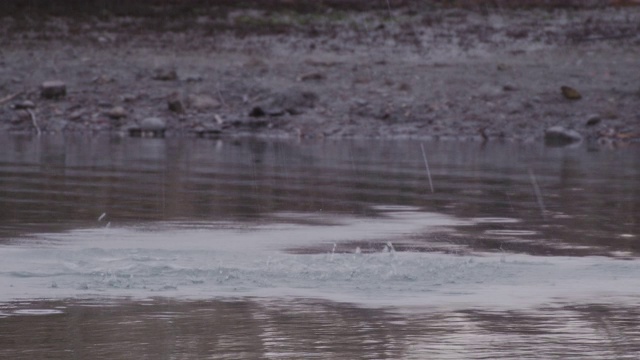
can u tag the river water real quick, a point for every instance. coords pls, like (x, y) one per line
(180, 248)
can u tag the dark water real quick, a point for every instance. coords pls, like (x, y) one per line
(589, 203)
(538, 210)
(304, 329)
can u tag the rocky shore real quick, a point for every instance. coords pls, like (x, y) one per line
(563, 75)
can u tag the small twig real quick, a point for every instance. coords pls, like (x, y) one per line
(33, 120)
(10, 97)
(536, 190)
(426, 165)
(220, 96)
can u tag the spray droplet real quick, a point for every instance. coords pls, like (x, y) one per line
(391, 248)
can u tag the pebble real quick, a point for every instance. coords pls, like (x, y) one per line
(53, 89)
(117, 112)
(360, 102)
(593, 120)
(570, 93)
(312, 76)
(77, 115)
(202, 102)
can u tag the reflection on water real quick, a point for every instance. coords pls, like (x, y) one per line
(331, 249)
(297, 329)
(591, 199)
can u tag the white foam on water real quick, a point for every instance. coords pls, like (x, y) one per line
(511, 232)
(37, 312)
(495, 220)
(230, 260)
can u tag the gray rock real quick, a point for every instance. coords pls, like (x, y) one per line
(152, 124)
(26, 104)
(53, 89)
(77, 115)
(360, 102)
(202, 102)
(560, 136)
(117, 112)
(148, 127)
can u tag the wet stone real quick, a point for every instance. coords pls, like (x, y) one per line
(148, 127)
(53, 89)
(560, 136)
(153, 124)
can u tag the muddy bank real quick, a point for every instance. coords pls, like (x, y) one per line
(429, 71)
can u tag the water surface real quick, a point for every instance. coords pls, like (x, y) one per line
(190, 248)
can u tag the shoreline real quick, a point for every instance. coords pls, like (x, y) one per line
(441, 73)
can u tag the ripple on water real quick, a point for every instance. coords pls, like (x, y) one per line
(495, 220)
(511, 232)
(37, 312)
